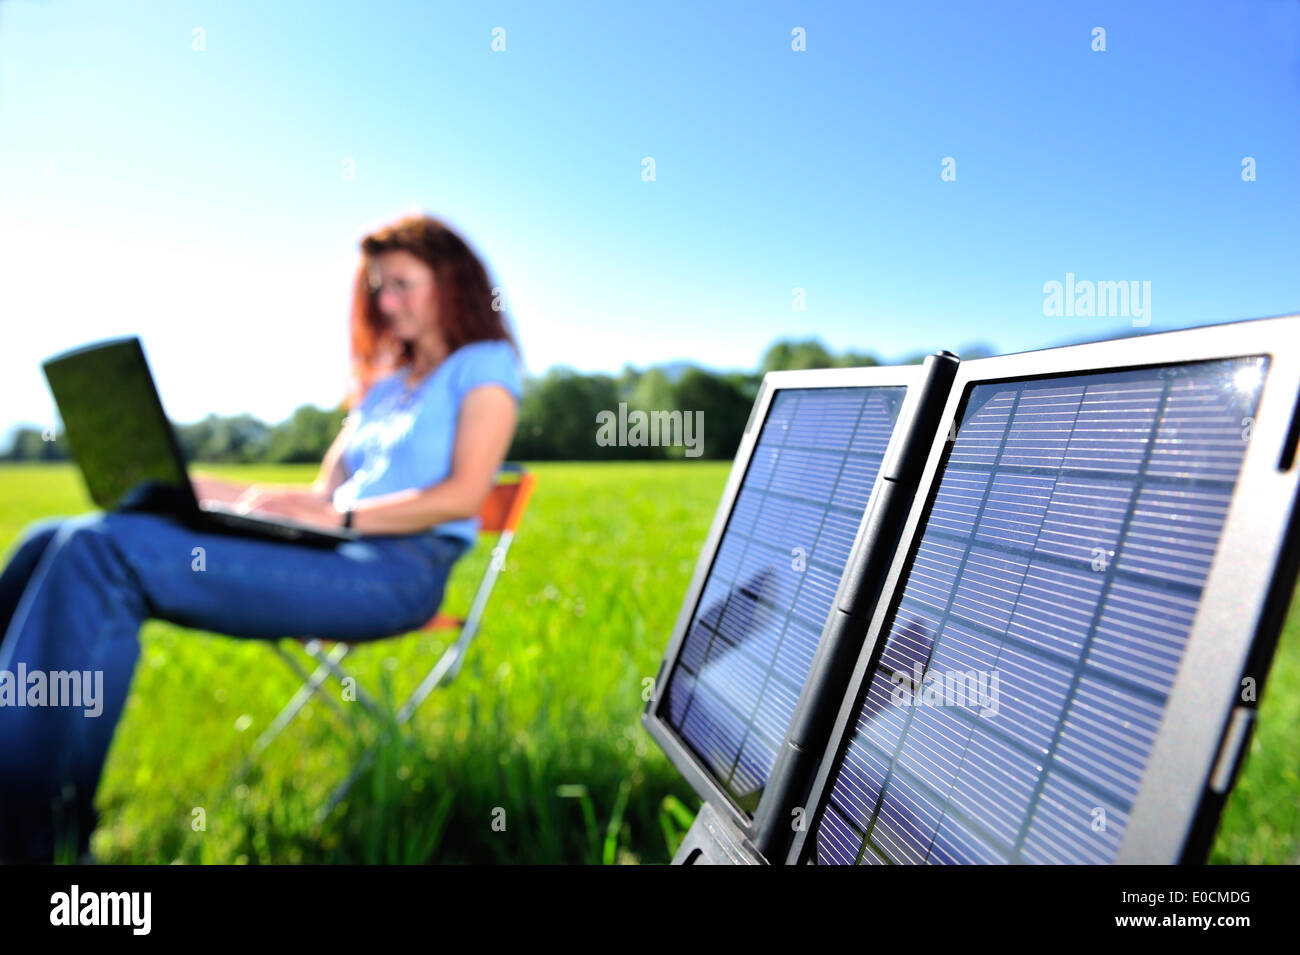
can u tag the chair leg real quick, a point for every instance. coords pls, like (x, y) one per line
(446, 668)
(484, 594)
(443, 672)
(311, 685)
(345, 787)
(450, 657)
(449, 664)
(327, 660)
(381, 714)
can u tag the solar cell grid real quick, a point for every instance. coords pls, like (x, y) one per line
(1061, 561)
(751, 640)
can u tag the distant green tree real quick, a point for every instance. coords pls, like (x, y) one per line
(29, 444)
(973, 350)
(305, 437)
(239, 439)
(557, 417)
(915, 358)
(745, 383)
(628, 380)
(653, 392)
(725, 407)
(796, 356)
(853, 359)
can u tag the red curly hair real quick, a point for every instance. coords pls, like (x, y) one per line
(466, 311)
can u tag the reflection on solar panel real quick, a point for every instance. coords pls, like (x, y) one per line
(751, 640)
(1041, 620)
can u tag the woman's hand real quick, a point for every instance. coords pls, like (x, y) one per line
(302, 505)
(208, 488)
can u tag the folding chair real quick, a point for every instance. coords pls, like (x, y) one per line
(500, 515)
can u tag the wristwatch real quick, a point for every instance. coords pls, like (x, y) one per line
(347, 519)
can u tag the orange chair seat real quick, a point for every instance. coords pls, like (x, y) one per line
(444, 621)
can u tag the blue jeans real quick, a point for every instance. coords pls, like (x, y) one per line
(76, 590)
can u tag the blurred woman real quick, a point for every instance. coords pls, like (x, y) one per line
(433, 401)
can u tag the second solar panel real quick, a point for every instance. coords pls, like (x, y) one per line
(1046, 608)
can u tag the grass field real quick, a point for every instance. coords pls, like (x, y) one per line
(541, 729)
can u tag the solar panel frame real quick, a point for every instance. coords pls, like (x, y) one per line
(1205, 726)
(655, 716)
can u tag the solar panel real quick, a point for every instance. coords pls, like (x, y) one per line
(1038, 625)
(752, 634)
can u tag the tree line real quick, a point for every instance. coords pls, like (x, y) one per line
(558, 415)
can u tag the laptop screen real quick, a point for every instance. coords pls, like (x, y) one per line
(116, 429)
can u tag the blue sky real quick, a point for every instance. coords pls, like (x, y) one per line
(198, 198)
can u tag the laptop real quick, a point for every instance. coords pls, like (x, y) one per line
(127, 450)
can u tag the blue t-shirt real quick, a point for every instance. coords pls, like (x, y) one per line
(404, 439)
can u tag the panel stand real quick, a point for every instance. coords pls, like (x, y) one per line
(713, 840)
